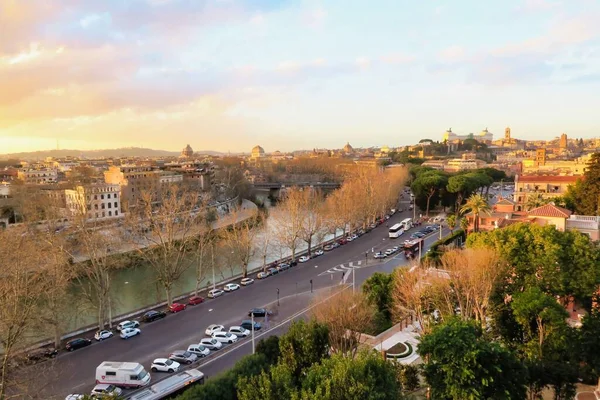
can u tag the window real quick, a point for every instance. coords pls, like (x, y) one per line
(109, 205)
(89, 207)
(95, 197)
(115, 195)
(96, 215)
(103, 214)
(111, 373)
(103, 206)
(116, 204)
(116, 213)
(108, 196)
(95, 206)
(102, 196)
(110, 213)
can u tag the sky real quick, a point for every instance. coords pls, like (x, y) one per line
(226, 75)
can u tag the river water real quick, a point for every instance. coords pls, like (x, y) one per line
(134, 288)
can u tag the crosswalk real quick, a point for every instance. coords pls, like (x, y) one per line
(343, 268)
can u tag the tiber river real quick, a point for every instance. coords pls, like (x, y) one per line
(134, 288)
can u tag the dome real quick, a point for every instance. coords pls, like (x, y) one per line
(258, 149)
(187, 151)
(385, 149)
(348, 148)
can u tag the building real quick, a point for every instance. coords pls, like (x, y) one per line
(168, 177)
(484, 136)
(347, 149)
(257, 153)
(187, 152)
(98, 202)
(576, 166)
(548, 186)
(38, 176)
(563, 142)
(132, 180)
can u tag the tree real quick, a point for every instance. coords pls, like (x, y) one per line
(535, 200)
(270, 348)
(367, 376)
(412, 296)
(461, 185)
(205, 256)
(289, 218)
(589, 345)
(304, 344)
(461, 364)
(346, 315)
(476, 204)
(239, 242)
(451, 222)
(313, 223)
(264, 242)
(585, 194)
(378, 292)
(164, 227)
(427, 185)
(26, 268)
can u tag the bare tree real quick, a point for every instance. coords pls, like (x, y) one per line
(347, 315)
(205, 257)
(239, 241)
(164, 226)
(264, 243)
(313, 223)
(412, 296)
(24, 270)
(288, 218)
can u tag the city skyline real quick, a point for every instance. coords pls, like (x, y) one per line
(225, 75)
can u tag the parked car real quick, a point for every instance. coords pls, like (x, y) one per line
(318, 253)
(164, 365)
(373, 226)
(230, 287)
(263, 275)
(239, 331)
(183, 356)
(42, 354)
(129, 332)
(77, 344)
(303, 259)
(379, 254)
(246, 281)
(247, 324)
(215, 293)
(273, 271)
(153, 316)
(211, 343)
(354, 236)
(213, 328)
(195, 300)
(128, 324)
(177, 307)
(259, 312)
(396, 249)
(328, 247)
(74, 397)
(349, 238)
(342, 241)
(105, 390)
(335, 245)
(225, 337)
(103, 335)
(199, 350)
(389, 252)
(283, 266)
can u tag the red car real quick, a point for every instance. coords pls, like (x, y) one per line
(176, 307)
(195, 300)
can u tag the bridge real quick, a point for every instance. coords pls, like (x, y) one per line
(281, 185)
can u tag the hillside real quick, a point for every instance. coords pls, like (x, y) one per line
(105, 153)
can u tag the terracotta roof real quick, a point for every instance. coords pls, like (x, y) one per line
(505, 202)
(550, 210)
(547, 178)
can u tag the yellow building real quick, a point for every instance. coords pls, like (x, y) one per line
(548, 186)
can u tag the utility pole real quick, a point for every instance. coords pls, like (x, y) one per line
(311, 286)
(440, 230)
(278, 297)
(353, 280)
(252, 314)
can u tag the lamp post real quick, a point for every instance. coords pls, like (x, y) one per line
(252, 315)
(277, 296)
(311, 286)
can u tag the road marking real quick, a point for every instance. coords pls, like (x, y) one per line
(342, 268)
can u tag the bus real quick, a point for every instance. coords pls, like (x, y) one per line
(407, 223)
(413, 247)
(170, 387)
(396, 231)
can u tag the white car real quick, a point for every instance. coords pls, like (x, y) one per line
(303, 259)
(379, 254)
(230, 287)
(354, 236)
(225, 337)
(239, 331)
(319, 252)
(246, 281)
(213, 328)
(106, 390)
(74, 397)
(128, 324)
(349, 238)
(211, 343)
(389, 252)
(215, 293)
(164, 365)
(102, 335)
(129, 332)
(199, 350)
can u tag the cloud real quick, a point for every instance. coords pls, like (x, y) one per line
(537, 6)
(452, 54)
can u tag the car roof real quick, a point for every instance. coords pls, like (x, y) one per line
(160, 360)
(102, 386)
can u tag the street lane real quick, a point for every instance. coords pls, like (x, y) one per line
(75, 372)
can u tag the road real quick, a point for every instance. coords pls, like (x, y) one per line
(75, 372)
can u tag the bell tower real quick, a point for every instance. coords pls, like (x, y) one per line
(507, 134)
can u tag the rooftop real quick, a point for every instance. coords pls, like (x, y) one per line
(550, 210)
(547, 178)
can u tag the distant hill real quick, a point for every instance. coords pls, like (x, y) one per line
(106, 153)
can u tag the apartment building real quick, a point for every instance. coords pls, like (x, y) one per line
(98, 202)
(38, 176)
(548, 186)
(132, 180)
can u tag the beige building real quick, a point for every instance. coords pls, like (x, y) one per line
(98, 202)
(38, 176)
(576, 166)
(132, 180)
(547, 185)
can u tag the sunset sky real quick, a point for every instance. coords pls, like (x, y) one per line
(293, 74)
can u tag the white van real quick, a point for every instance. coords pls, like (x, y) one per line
(122, 374)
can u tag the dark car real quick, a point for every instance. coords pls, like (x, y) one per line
(77, 344)
(273, 271)
(247, 324)
(259, 312)
(153, 316)
(41, 354)
(342, 241)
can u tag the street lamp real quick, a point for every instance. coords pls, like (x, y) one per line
(311, 286)
(252, 315)
(277, 296)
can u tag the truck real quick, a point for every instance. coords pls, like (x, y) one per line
(170, 387)
(122, 374)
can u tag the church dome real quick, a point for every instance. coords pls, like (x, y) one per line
(258, 151)
(187, 151)
(348, 148)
